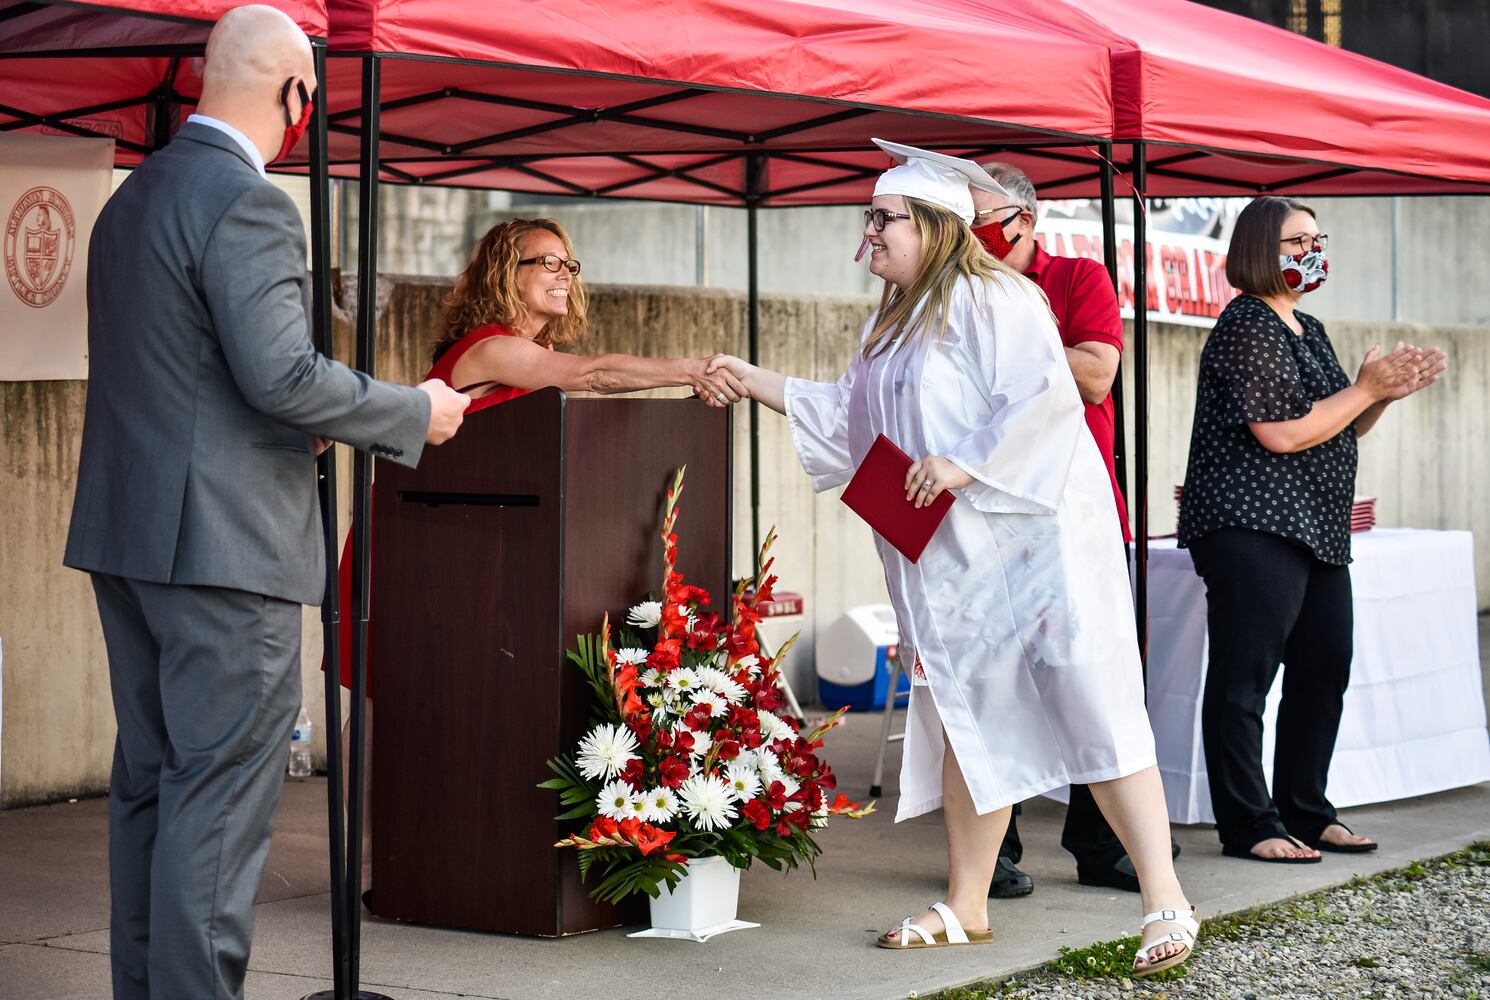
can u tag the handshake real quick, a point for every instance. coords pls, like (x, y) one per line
(718, 380)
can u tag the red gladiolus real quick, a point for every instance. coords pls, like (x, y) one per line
(649, 838)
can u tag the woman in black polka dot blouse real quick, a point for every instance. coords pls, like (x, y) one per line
(1266, 515)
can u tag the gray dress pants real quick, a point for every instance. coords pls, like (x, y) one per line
(206, 686)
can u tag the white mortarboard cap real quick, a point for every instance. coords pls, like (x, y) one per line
(934, 177)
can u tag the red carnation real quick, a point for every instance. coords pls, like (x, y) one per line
(758, 815)
(671, 772)
(634, 773)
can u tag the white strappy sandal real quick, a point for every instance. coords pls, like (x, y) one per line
(952, 933)
(1189, 927)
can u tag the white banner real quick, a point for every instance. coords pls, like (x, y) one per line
(1186, 274)
(51, 190)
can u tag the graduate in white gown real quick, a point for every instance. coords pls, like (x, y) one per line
(1016, 622)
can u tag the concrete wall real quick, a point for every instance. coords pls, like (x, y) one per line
(1437, 274)
(1426, 462)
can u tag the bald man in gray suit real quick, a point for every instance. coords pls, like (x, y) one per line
(196, 511)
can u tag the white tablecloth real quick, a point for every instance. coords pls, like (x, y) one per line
(1414, 719)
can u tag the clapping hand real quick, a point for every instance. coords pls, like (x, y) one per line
(1403, 371)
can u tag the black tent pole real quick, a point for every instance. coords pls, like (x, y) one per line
(755, 167)
(367, 283)
(1109, 257)
(321, 334)
(1141, 404)
(367, 320)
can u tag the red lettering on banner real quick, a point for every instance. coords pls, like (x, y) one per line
(1186, 280)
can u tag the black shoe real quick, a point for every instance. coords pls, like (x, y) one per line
(1116, 874)
(1009, 882)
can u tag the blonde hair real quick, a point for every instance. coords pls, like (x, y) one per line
(487, 291)
(949, 252)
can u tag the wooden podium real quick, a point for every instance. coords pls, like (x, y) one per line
(508, 541)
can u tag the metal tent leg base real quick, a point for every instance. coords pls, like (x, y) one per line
(876, 790)
(331, 995)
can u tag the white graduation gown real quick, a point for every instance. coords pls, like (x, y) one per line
(1019, 609)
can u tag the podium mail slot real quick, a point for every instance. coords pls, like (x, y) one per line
(541, 515)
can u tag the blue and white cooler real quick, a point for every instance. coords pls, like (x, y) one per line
(853, 658)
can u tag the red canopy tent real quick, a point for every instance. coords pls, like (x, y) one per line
(1228, 105)
(611, 99)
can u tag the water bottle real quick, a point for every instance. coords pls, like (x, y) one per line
(300, 747)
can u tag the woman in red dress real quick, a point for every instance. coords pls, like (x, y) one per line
(520, 295)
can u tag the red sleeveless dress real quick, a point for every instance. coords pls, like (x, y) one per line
(442, 370)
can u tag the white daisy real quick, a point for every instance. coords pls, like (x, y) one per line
(750, 663)
(631, 655)
(683, 681)
(614, 801)
(650, 678)
(662, 805)
(717, 705)
(820, 817)
(773, 728)
(707, 801)
(639, 806)
(604, 752)
(742, 780)
(768, 767)
(655, 701)
(645, 615)
(718, 681)
(790, 786)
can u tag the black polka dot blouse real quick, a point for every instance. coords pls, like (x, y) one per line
(1254, 368)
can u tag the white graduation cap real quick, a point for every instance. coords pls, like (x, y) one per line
(935, 177)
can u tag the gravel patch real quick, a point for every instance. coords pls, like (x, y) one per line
(1423, 931)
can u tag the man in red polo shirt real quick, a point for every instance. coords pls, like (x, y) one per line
(1086, 311)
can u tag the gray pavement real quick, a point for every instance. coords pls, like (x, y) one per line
(816, 938)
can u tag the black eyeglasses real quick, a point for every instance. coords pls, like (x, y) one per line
(552, 262)
(879, 218)
(1307, 243)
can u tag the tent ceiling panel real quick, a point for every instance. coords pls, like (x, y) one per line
(127, 70)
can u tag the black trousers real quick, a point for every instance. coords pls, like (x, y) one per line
(1086, 834)
(1269, 600)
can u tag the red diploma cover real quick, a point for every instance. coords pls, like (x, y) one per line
(877, 494)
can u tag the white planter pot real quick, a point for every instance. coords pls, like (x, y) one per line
(703, 904)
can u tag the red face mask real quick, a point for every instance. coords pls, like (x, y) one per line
(293, 129)
(994, 240)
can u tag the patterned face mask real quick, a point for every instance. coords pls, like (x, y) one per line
(1304, 272)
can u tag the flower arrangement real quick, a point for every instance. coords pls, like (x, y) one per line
(689, 757)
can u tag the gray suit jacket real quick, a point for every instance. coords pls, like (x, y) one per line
(204, 390)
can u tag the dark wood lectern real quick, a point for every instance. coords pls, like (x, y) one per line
(508, 541)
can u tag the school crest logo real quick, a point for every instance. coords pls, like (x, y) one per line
(39, 240)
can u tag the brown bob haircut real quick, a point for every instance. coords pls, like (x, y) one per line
(1252, 259)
